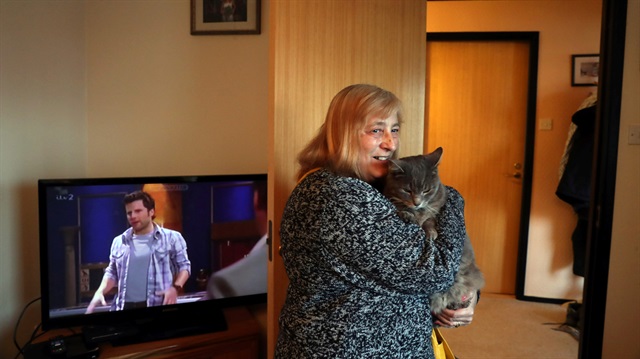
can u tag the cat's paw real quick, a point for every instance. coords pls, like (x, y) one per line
(459, 305)
(455, 297)
(407, 217)
(430, 229)
(438, 302)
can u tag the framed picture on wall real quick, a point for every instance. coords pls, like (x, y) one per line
(225, 17)
(584, 69)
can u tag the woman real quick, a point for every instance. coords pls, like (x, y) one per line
(359, 276)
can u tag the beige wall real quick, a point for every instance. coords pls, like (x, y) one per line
(621, 332)
(42, 134)
(114, 88)
(163, 102)
(566, 27)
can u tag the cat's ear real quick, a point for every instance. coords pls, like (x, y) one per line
(394, 167)
(436, 155)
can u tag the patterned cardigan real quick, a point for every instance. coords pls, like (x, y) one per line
(359, 276)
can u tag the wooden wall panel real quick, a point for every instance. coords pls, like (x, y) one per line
(318, 47)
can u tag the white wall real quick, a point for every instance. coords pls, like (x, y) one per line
(114, 88)
(566, 27)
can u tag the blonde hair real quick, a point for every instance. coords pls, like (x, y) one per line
(336, 146)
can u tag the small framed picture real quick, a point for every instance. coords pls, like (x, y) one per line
(225, 17)
(584, 69)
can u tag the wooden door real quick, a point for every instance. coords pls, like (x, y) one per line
(477, 101)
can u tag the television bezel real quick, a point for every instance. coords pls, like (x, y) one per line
(194, 309)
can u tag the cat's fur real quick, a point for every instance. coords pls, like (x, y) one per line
(414, 187)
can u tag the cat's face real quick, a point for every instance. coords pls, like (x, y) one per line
(413, 181)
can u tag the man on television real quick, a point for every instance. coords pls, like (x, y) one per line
(148, 263)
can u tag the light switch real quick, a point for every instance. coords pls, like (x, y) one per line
(634, 134)
(545, 124)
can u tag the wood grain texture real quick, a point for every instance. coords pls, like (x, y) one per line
(317, 48)
(477, 94)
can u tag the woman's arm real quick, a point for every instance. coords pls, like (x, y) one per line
(371, 246)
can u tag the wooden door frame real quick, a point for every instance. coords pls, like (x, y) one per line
(532, 38)
(603, 186)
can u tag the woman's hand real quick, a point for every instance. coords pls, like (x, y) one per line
(450, 318)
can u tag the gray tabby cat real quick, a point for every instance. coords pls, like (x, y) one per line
(413, 186)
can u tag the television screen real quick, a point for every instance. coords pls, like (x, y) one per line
(205, 249)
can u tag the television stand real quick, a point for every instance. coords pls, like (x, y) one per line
(241, 340)
(151, 329)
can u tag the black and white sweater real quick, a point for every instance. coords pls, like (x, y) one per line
(360, 278)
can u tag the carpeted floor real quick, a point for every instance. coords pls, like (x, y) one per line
(504, 327)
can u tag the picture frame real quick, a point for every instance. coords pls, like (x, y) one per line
(225, 17)
(585, 69)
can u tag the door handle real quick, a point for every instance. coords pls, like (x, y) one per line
(516, 175)
(270, 241)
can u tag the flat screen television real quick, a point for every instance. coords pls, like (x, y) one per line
(222, 219)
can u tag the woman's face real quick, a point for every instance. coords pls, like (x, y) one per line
(378, 141)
